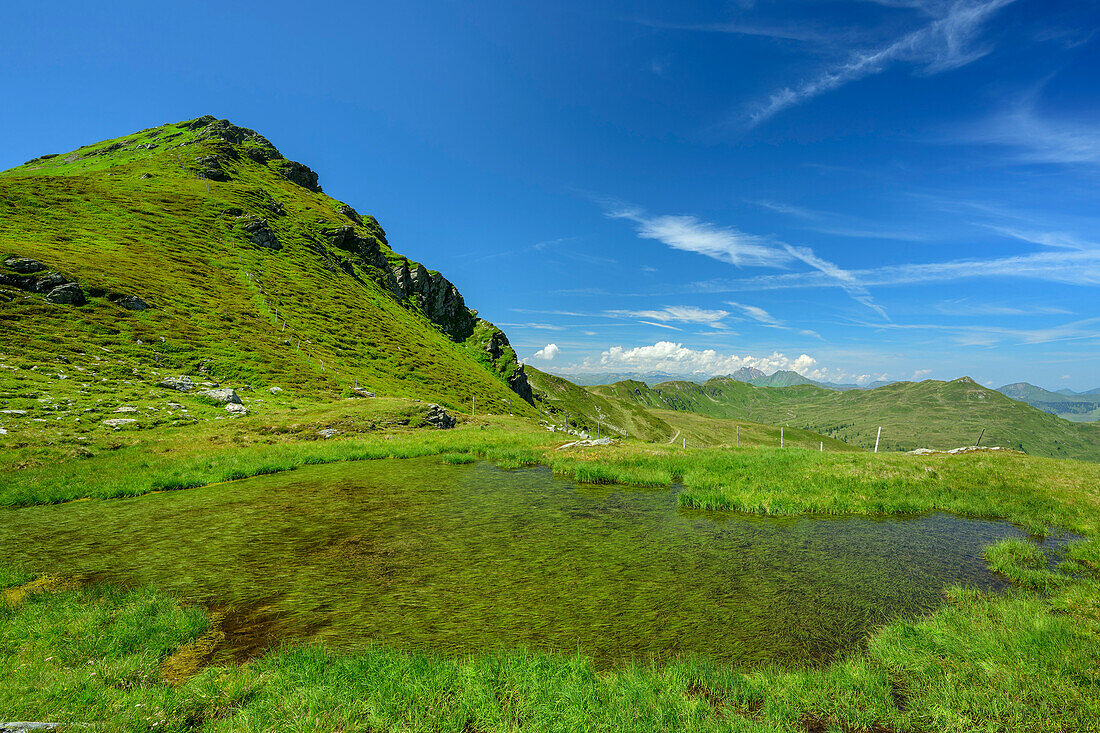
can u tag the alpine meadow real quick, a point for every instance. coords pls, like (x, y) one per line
(694, 428)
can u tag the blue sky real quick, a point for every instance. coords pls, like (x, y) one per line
(862, 189)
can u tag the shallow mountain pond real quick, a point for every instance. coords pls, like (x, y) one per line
(425, 556)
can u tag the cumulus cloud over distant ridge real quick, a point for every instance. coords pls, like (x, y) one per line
(675, 358)
(547, 353)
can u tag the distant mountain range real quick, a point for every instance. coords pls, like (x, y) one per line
(1065, 403)
(928, 414)
(749, 375)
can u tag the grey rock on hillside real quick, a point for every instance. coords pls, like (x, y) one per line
(223, 395)
(68, 294)
(23, 265)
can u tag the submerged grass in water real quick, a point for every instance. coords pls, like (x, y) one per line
(1017, 662)
(459, 559)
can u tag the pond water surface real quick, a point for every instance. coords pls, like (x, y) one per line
(421, 555)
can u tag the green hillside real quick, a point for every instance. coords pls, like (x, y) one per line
(252, 278)
(929, 414)
(563, 403)
(1084, 407)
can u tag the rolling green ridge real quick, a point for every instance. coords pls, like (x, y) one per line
(565, 404)
(1083, 407)
(251, 274)
(929, 414)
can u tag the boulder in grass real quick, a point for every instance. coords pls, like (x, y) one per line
(119, 422)
(440, 418)
(129, 302)
(236, 409)
(67, 294)
(224, 395)
(47, 281)
(181, 383)
(23, 265)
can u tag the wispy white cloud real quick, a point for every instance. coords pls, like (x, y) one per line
(780, 32)
(966, 307)
(1033, 137)
(849, 282)
(660, 325)
(1062, 266)
(689, 234)
(1063, 240)
(988, 335)
(947, 42)
(536, 326)
(676, 314)
(726, 244)
(756, 313)
(839, 225)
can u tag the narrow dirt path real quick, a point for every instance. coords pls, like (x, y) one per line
(674, 437)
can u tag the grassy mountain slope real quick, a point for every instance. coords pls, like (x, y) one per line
(1082, 407)
(253, 277)
(564, 403)
(929, 414)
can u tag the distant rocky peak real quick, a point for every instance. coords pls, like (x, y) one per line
(747, 374)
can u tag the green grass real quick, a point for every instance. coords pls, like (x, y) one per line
(929, 414)
(565, 404)
(174, 239)
(137, 659)
(1022, 661)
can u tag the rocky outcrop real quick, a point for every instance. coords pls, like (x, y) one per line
(350, 213)
(224, 395)
(260, 233)
(67, 294)
(119, 422)
(181, 383)
(586, 443)
(966, 449)
(495, 343)
(301, 174)
(32, 276)
(436, 297)
(23, 265)
(46, 282)
(249, 143)
(439, 418)
(129, 302)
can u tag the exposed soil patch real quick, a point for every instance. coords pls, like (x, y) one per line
(816, 724)
(697, 690)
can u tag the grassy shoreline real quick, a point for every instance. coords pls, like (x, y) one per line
(1036, 493)
(1019, 661)
(138, 659)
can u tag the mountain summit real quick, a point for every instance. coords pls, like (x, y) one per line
(198, 247)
